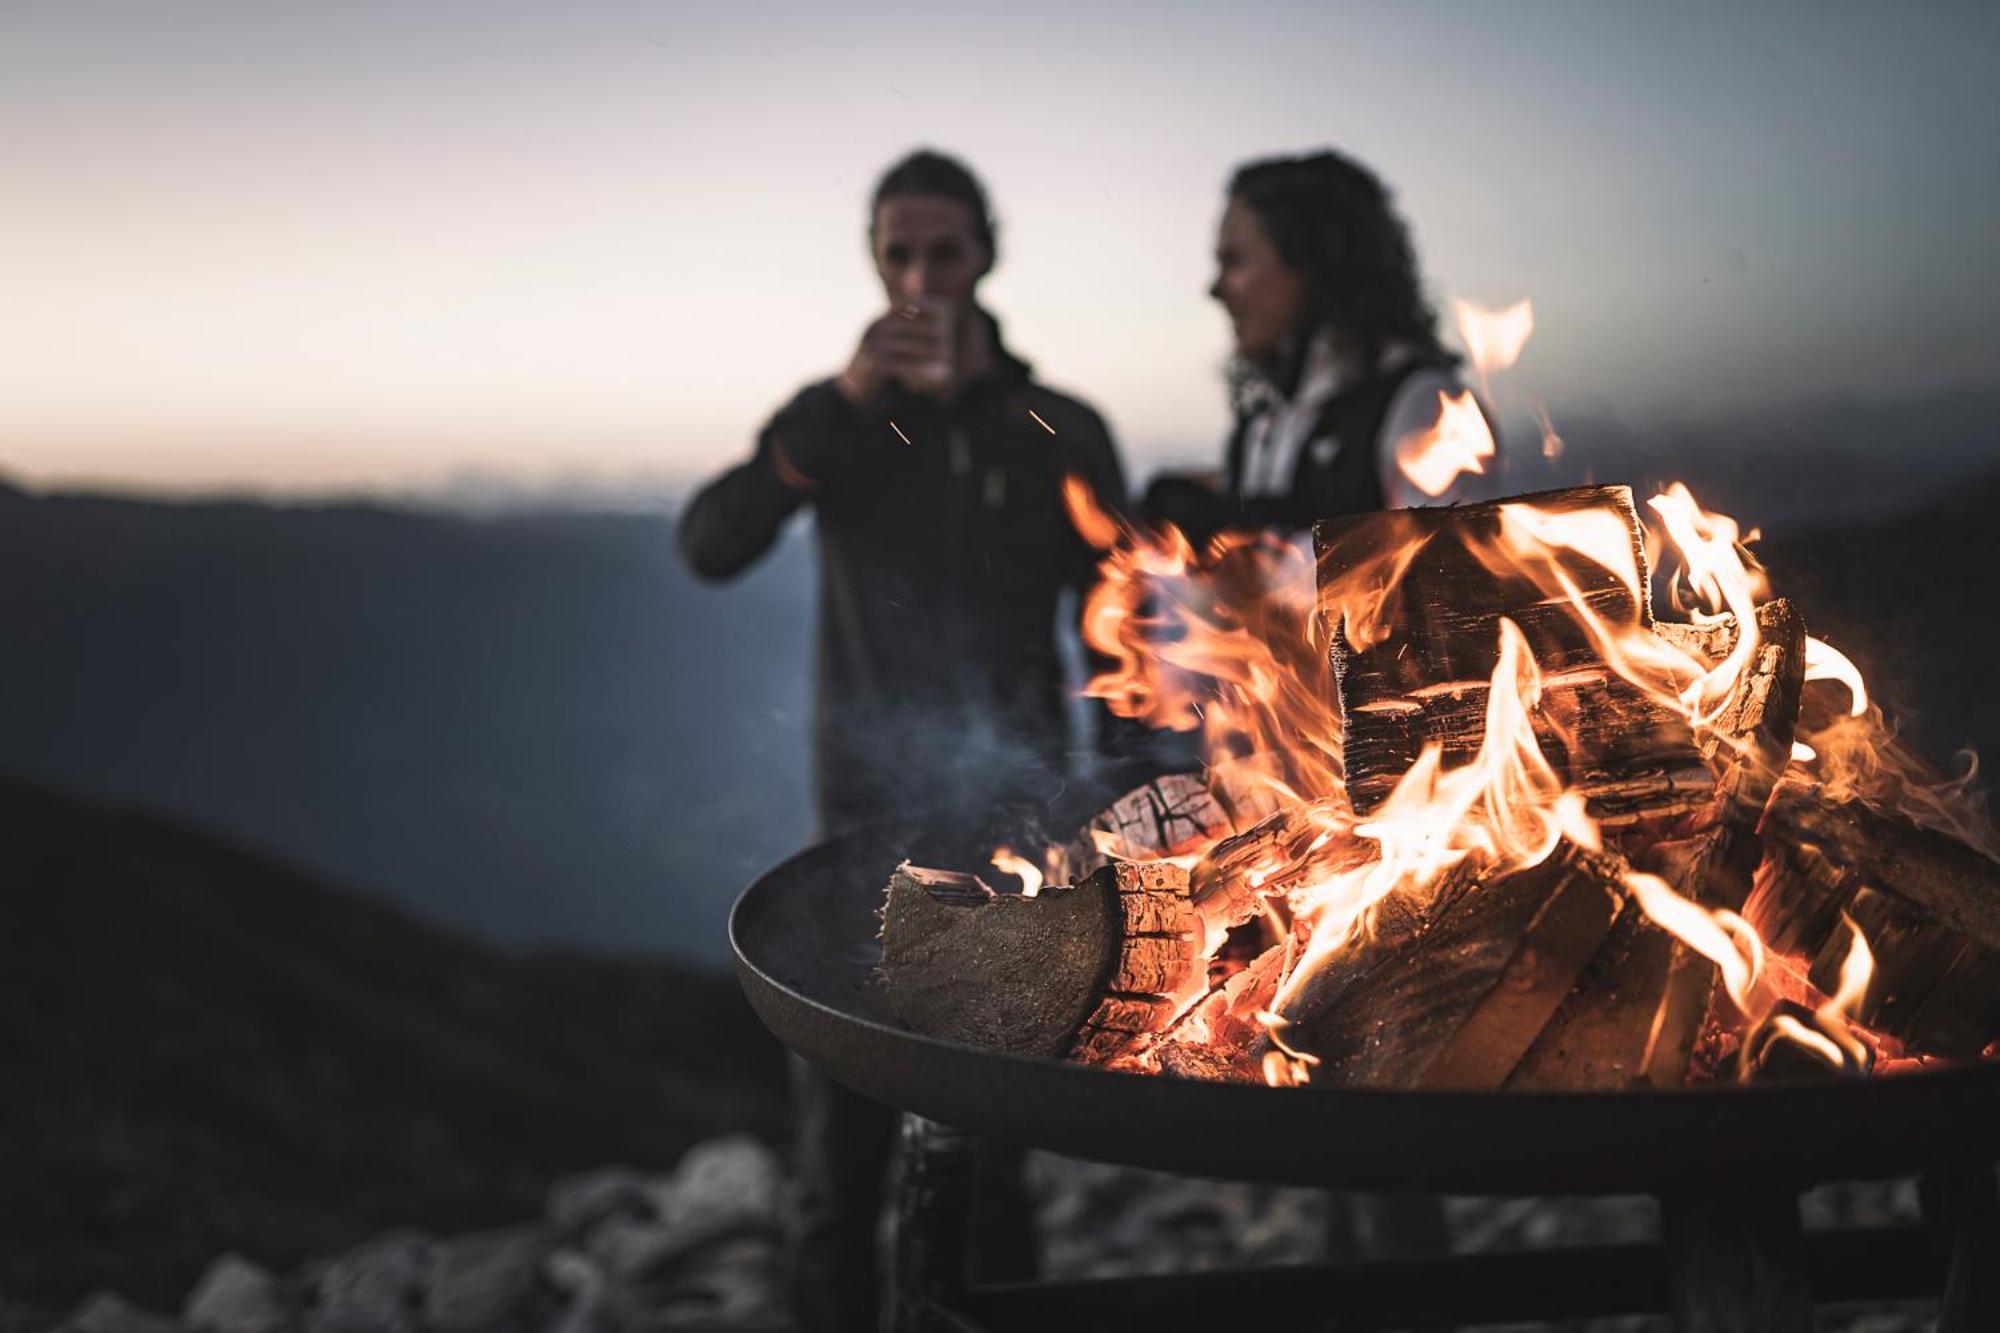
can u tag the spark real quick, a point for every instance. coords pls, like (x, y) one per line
(899, 432)
(1039, 422)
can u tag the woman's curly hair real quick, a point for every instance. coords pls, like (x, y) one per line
(1333, 221)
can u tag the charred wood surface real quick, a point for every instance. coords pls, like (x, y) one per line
(1552, 954)
(1165, 816)
(1928, 905)
(1427, 681)
(1601, 1035)
(1450, 995)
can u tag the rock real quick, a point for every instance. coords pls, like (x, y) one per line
(104, 1312)
(491, 1280)
(734, 1286)
(578, 1202)
(634, 1251)
(721, 1186)
(236, 1296)
(375, 1286)
(583, 1289)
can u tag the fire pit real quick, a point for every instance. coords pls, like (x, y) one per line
(805, 937)
(1490, 883)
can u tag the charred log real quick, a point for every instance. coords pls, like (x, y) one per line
(1928, 905)
(1166, 816)
(1451, 993)
(1638, 1011)
(1426, 680)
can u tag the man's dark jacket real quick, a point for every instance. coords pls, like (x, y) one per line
(944, 546)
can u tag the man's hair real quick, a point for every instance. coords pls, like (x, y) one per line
(937, 175)
(1332, 220)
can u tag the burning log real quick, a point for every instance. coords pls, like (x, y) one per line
(1450, 993)
(1233, 878)
(1928, 905)
(1639, 1008)
(1425, 677)
(1165, 816)
(1087, 969)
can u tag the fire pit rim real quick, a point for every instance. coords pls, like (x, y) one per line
(1574, 1141)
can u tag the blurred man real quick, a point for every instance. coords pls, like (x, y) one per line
(934, 464)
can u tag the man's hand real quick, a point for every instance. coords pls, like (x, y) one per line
(905, 346)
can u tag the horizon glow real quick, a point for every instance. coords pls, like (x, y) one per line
(298, 249)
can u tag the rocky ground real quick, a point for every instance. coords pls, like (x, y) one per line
(622, 1251)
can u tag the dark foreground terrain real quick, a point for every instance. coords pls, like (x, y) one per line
(202, 1049)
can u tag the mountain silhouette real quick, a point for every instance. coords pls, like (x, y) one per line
(538, 728)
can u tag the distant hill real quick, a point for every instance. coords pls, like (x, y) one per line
(535, 727)
(203, 1050)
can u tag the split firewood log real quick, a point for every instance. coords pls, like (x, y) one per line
(1451, 992)
(1276, 854)
(1164, 817)
(1426, 679)
(1639, 1009)
(1089, 969)
(1221, 1035)
(1928, 905)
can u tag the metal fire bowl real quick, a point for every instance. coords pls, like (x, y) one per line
(804, 937)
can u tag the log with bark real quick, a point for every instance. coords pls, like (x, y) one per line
(1087, 970)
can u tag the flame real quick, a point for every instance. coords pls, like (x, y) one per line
(1715, 570)
(1006, 860)
(1234, 640)
(1790, 1029)
(1504, 807)
(1458, 441)
(1856, 971)
(1552, 443)
(1494, 338)
(1722, 937)
(1825, 662)
(1098, 529)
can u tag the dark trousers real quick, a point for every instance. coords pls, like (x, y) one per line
(840, 1156)
(841, 1146)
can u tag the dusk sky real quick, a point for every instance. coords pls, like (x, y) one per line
(295, 247)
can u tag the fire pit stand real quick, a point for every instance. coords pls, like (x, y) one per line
(1727, 1163)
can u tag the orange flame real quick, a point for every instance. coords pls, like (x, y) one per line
(1494, 338)
(1006, 860)
(1722, 937)
(1504, 806)
(1856, 971)
(1098, 529)
(1459, 441)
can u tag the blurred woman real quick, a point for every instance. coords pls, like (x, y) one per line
(1337, 358)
